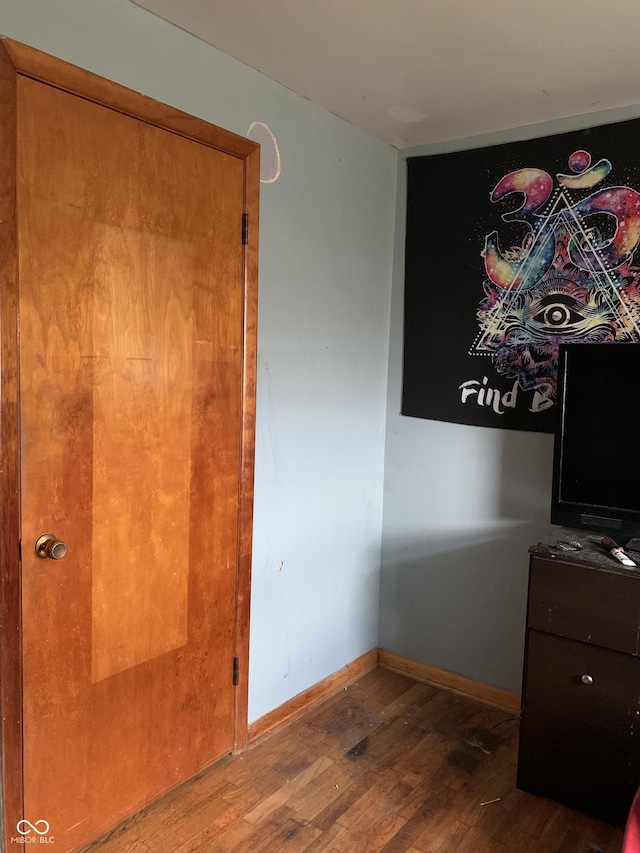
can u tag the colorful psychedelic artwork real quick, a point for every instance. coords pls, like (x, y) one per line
(510, 251)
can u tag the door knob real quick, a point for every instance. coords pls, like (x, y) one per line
(48, 546)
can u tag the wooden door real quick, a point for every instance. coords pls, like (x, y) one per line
(134, 422)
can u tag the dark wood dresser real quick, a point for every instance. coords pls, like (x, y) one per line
(581, 687)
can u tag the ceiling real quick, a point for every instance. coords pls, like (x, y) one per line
(414, 72)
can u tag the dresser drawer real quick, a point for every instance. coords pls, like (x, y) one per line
(585, 604)
(586, 762)
(588, 679)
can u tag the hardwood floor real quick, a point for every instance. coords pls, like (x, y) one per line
(389, 765)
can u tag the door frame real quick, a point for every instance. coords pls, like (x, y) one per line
(20, 60)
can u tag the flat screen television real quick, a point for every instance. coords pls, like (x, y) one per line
(596, 464)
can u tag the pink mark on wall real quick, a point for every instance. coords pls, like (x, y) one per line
(269, 152)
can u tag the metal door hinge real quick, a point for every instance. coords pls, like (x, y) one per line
(245, 229)
(236, 672)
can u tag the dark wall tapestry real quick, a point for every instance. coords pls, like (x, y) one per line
(510, 251)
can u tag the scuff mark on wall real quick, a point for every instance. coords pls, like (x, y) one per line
(270, 163)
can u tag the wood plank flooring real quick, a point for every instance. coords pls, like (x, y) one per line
(389, 765)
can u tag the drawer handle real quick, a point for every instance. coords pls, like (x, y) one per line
(587, 679)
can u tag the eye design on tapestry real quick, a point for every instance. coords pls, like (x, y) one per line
(569, 276)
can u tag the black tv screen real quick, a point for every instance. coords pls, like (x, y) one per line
(596, 466)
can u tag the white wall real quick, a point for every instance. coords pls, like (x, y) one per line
(325, 276)
(462, 504)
